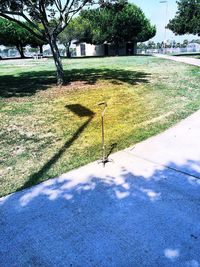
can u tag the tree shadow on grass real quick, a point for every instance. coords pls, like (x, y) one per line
(115, 76)
(26, 83)
(29, 83)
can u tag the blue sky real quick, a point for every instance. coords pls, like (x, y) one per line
(156, 12)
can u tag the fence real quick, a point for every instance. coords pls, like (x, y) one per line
(176, 50)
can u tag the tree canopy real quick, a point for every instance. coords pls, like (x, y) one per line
(117, 23)
(12, 34)
(187, 18)
(77, 29)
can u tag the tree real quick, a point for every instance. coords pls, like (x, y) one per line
(178, 45)
(185, 43)
(141, 46)
(34, 42)
(173, 43)
(187, 18)
(158, 45)
(12, 34)
(118, 23)
(53, 15)
(151, 45)
(77, 29)
(195, 41)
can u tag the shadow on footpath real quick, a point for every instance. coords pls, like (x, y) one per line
(87, 219)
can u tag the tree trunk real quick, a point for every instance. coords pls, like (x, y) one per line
(116, 45)
(41, 49)
(21, 50)
(57, 60)
(135, 48)
(68, 54)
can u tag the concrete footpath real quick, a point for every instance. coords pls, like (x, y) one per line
(142, 209)
(187, 60)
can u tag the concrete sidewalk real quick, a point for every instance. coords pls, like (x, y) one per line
(187, 60)
(142, 209)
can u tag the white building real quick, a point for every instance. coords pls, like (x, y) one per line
(89, 50)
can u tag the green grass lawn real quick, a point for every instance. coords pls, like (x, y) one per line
(46, 131)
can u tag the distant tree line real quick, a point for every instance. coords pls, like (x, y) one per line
(170, 44)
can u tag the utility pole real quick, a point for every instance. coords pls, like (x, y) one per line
(165, 31)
